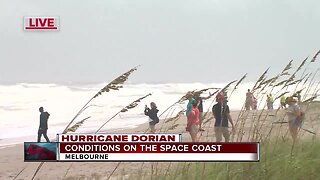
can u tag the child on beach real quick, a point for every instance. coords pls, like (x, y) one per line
(153, 116)
(221, 113)
(193, 122)
(294, 116)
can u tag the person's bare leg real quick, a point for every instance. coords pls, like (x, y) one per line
(195, 137)
(152, 129)
(192, 136)
(293, 132)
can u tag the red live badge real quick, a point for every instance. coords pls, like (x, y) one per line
(41, 23)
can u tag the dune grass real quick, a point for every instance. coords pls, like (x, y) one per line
(276, 162)
(279, 159)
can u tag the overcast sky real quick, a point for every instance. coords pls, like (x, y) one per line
(172, 40)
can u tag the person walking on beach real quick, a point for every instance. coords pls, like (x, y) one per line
(283, 104)
(294, 116)
(153, 116)
(269, 101)
(43, 127)
(193, 122)
(221, 113)
(249, 100)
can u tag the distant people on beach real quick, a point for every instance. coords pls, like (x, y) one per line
(298, 96)
(153, 116)
(249, 100)
(221, 113)
(43, 127)
(294, 116)
(283, 104)
(193, 121)
(269, 101)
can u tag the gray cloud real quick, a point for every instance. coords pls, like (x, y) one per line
(173, 40)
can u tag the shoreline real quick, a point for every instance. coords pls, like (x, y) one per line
(10, 143)
(11, 161)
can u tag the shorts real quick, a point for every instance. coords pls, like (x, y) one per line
(248, 104)
(296, 123)
(194, 129)
(153, 123)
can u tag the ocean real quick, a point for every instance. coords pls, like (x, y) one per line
(19, 115)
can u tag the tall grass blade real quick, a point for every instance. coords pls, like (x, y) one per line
(76, 126)
(261, 78)
(287, 68)
(116, 84)
(125, 109)
(315, 56)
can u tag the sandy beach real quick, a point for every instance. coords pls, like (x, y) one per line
(247, 129)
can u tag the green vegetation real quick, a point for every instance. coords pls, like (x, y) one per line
(276, 162)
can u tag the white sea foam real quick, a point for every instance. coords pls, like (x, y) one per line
(20, 117)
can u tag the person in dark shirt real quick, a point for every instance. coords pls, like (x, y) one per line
(43, 127)
(200, 99)
(221, 113)
(153, 116)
